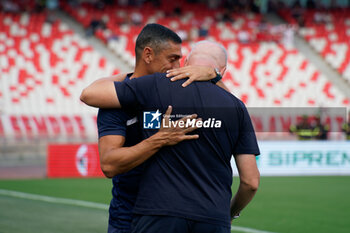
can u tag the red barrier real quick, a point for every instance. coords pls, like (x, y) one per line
(81, 160)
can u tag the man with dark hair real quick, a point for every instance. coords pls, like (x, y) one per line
(187, 187)
(155, 36)
(157, 49)
(121, 148)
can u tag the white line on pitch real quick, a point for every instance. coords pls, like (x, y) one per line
(248, 230)
(94, 205)
(53, 199)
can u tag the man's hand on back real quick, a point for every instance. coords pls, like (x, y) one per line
(171, 135)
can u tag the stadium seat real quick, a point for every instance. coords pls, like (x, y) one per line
(2, 131)
(31, 126)
(330, 39)
(43, 68)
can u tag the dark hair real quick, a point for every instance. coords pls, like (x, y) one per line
(155, 36)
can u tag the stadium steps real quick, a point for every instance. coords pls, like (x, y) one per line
(304, 47)
(96, 43)
(14, 152)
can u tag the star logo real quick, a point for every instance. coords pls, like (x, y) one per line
(156, 115)
(151, 120)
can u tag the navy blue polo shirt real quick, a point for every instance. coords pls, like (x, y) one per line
(125, 186)
(193, 178)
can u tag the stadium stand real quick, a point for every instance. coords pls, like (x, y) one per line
(271, 75)
(328, 32)
(44, 66)
(261, 72)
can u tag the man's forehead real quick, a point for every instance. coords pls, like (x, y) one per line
(173, 50)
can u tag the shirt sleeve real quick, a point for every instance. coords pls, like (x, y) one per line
(247, 143)
(111, 122)
(136, 93)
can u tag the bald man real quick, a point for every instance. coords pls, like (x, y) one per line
(205, 55)
(187, 187)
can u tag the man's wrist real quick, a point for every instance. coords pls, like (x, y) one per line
(217, 77)
(235, 216)
(157, 140)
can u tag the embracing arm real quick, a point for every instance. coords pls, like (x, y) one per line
(101, 93)
(195, 73)
(116, 159)
(249, 182)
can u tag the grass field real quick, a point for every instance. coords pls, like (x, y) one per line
(282, 204)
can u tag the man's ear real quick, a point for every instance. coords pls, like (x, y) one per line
(222, 71)
(186, 61)
(148, 55)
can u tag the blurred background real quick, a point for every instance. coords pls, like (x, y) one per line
(288, 61)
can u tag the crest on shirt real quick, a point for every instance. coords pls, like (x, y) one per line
(131, 121)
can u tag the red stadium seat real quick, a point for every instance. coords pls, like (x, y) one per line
(328, 36)
(41, 126)
(15, 127)
(2, 131)
(49, 64)
(45, 126)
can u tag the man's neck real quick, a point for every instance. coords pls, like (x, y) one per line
(136, 75)
(139, 72)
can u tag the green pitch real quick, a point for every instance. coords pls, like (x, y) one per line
(282, 204)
